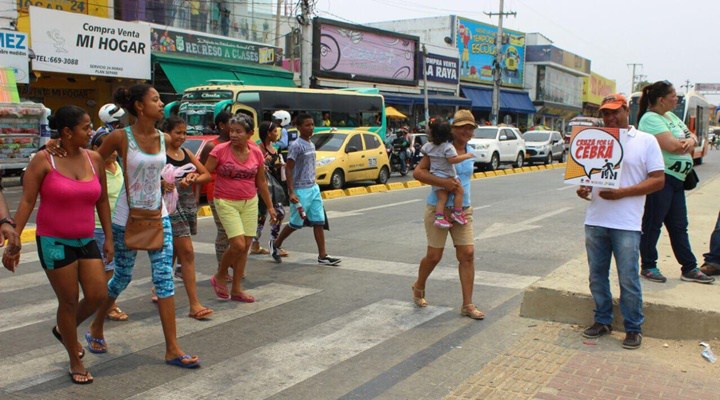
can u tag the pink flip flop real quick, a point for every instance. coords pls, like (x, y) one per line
(243, 298)
(220, 290)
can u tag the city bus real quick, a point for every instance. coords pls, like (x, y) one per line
(362, 108)
(694, 110)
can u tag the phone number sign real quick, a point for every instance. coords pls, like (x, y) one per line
(75, 6)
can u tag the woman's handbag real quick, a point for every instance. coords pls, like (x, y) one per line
(691, 180)
(277, 192)
(144, 228)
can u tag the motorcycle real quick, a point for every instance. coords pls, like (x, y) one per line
(396, 164)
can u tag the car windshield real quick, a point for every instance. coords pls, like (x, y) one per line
(485, 133)
(328, 141)
(533, 136)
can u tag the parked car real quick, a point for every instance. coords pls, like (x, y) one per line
(545, 146)
(347, 155)
(495, 145)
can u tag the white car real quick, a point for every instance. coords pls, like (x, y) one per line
(495, 145)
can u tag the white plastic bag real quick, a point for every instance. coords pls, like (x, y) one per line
(170, 173)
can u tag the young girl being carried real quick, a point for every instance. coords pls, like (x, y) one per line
(442, 157)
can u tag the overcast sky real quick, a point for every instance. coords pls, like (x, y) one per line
(674, 40)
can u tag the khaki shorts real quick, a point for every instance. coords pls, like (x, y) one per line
(462, 235)
(238, 217)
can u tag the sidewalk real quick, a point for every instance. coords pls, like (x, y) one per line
(553, 362)
(673, 310)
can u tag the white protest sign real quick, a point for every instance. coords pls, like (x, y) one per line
(595, 157)
(79, 44)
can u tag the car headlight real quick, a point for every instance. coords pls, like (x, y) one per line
(324, 161)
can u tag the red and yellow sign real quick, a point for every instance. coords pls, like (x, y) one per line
(596, 87)
(596, 156)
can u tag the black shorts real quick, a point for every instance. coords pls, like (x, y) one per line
(54, 254)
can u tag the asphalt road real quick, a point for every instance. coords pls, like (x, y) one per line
(348, 332)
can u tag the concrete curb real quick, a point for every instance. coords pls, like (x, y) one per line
(673, 310)
(28, 234)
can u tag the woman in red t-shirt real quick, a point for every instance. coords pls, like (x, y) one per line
(240, 176)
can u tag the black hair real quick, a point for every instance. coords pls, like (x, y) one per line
(440, 131)
(301, 118)
(651, 94)
(65, 117)
(171, 122)
(126, 97)
(244, 120)
(223, 117)
(265, 128)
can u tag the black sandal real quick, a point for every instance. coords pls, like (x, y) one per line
(76, 381)
(57, 335)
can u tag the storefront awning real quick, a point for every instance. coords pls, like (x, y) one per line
(518, 102)
(434, 99)
(187, 72)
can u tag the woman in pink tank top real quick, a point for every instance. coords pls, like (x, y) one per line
(70, 190)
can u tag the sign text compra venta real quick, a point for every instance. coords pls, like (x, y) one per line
(105, 42)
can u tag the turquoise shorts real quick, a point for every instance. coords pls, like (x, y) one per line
(311, 202)
(56, 253)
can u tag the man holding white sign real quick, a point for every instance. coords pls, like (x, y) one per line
(613, 224)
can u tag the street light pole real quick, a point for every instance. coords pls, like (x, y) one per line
(425, 89)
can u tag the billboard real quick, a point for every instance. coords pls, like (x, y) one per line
(476, 47)
(549, 53)
(79, 44)
(596, 87)
(195, 44)
(353, 52)
(707, 87)
(14, 54)
(439, 68)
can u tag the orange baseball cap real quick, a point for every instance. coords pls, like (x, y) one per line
(613, 102)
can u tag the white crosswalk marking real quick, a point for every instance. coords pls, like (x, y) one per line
(270, 369)
(49, 362)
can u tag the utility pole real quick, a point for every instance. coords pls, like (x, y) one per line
(497, 62)
(687, 86)
(425, 90)
(305, 44)
(277, 23)
(632, 85)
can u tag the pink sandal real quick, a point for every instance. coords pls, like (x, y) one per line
(220, 290)
(243, 298)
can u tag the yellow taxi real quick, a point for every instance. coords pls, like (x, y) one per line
(347, 155)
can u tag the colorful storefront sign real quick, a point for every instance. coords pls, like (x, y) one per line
(476, 47)
(14, 54)
(354, 52)
(79, 44)
(596, 87)
(8, 86)
(194, 44)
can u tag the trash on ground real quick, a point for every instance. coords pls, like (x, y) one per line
(707, 353)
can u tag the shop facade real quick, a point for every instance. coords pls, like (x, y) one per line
(182, 59)
(595, 88)
(555, 82)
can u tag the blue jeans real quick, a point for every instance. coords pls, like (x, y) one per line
(601, 244)
(668, 207)
(713, 257)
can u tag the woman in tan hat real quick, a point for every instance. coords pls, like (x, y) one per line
(462, 235)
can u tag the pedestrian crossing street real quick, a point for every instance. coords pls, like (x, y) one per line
(255, 374)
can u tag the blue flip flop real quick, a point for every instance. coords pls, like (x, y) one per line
(91, 340)
(178, 362)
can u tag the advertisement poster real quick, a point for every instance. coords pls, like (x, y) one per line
(596, 87)
(8, 87)
(355, 52)
(596, 156)
(476, 47)
(80, 44)
(14, 54)
(172, 41)
(439, 68)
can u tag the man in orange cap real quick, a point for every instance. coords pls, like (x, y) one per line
(613, 223)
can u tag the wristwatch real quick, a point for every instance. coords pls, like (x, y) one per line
(8, 220)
